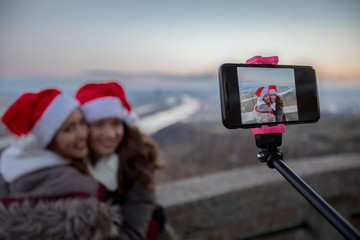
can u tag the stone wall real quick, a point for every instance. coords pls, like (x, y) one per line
(241, 202)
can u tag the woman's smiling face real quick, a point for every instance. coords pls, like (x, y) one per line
(105, 136)
(70, 141)
(273, 97)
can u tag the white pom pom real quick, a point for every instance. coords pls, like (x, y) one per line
(132, 118)
(27, 142)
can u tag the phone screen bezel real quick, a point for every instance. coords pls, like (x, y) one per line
(306, 94)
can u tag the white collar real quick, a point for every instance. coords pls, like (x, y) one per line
(273, 106)
(105, 171)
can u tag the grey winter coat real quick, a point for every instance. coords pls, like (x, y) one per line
(263, 114)
(56, 203)
(60, 203)
(74, 218)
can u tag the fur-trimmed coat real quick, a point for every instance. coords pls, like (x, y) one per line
(60, 203)
(263, 114)
(74, 218)
(56, 203)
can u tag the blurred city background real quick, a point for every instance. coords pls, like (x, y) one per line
(167, 53)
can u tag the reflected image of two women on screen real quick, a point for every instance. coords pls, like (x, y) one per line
(267, 95)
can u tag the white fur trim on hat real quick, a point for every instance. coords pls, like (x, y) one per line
(107, 107)
(263, 93)
(272, 91)
(53, 117)
(26, 142)
(260, 100)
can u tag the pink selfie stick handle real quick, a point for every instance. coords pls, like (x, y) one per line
(266, 129)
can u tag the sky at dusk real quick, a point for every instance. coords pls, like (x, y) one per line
(80, 39)
(263, 75)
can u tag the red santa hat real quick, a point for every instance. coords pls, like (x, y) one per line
(260, 92)
(105, 100)
(272, 90)
(35, 117)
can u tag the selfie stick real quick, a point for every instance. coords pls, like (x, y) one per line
(268, 139)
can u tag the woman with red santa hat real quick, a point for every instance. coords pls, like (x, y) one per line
(277, 104)
(123, 158)
(263, 112)
(42, 196)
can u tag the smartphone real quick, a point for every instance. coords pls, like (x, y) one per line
(255, 95)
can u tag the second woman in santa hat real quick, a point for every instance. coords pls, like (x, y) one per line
(121, 156)
(277, 104)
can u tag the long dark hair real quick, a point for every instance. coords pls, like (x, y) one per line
(279, 104)
(139, 157)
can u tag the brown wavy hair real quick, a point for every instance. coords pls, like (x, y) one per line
(279, 104)
(139, 158)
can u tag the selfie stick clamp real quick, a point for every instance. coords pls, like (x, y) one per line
(268, 139)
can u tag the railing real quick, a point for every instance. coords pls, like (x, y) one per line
(256, 200)
(278, 231)
(285, 229)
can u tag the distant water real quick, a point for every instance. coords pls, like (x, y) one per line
(10, 90)
(152, 123)
(159, 107)
(332, 100)
(163, 107)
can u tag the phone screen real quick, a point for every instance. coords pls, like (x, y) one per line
(256, 95)
(267, 95)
